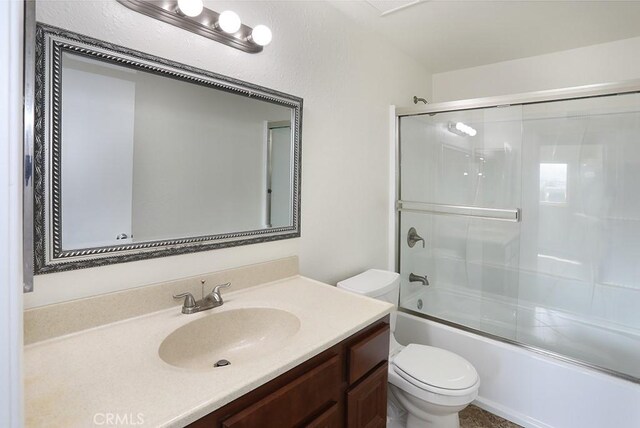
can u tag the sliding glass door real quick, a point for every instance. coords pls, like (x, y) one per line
(530, 220)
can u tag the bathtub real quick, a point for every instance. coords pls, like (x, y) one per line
(529, 388)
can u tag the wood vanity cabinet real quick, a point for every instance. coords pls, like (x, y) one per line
(344, 386)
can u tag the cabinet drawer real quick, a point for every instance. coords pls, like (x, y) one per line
(294, 402)
(367, 401)
(367, 353)
(330, 418)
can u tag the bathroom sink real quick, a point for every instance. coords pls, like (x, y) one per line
(237, 336)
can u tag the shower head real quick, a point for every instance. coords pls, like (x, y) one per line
(416, 99)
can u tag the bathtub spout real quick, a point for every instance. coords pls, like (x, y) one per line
(418, 278)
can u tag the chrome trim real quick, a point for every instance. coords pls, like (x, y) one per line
(577, 92)
(50, 256)
(29, 68)
(532, 348)
(459, 210)
(396, 212)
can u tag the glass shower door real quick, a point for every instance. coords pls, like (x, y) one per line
(530, 223)
(461, 192)
(580, 247)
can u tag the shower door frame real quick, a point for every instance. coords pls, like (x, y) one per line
(537, 97)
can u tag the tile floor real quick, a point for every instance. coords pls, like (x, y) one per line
(475, 417)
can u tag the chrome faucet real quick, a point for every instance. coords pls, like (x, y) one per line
(210, 301)
(418, 278)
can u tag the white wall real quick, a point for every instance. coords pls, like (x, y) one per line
(347, 77)
(202, 149)
(603, 63)
(10, 214)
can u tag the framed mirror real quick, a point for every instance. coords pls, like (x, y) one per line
(137, 157)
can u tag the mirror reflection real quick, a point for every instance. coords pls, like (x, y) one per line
(146, 157)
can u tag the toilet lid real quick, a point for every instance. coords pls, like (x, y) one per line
(435, 367)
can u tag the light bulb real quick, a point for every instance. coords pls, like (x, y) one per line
(229, 21)
(190, 8)
(466, 129)
(261, 35)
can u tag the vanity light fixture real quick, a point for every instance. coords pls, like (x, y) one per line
(261, 35)
(191, 15)
(461, 129)
(229, 22)
(191, 8)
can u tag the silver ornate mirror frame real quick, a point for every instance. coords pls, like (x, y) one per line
(48, 253)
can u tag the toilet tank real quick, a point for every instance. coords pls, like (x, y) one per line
(379, 284)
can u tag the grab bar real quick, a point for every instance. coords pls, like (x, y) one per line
(513, 215)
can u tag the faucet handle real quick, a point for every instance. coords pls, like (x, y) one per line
(413, 238)
(189, 300)
(216, 289)
(215, 294)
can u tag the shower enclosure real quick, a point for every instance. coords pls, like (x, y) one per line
(529, 211)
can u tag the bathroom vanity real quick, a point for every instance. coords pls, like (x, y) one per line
(302, 353)
(345, 385)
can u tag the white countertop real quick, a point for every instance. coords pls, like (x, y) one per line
(114, 370)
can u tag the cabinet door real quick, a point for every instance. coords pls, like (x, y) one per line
(368, 353)
(295, 402)
(367, 401)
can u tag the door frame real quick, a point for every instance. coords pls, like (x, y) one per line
(12, 15)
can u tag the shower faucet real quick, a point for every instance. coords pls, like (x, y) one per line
(417, 278)
(413, 237)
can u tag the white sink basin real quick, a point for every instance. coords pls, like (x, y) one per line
(237, 335)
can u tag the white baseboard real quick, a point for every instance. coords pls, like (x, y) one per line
(509, 414)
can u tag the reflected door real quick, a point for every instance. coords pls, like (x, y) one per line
(279, 180)
(97, 158)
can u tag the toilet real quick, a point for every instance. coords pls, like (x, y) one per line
(430, 383)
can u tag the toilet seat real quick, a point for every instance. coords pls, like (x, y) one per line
(401, 384)
(435, 370)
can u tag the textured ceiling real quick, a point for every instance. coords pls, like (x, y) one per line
(449, 35)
